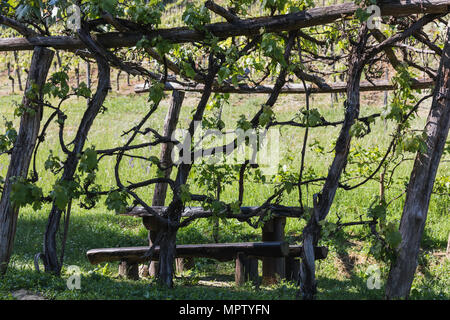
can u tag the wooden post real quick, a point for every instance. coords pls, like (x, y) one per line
(22, 152)
(246, 269)
(421, 183)
(292, 269)
(159, 196)
(129, 270)
(182, 264)
(273, 268)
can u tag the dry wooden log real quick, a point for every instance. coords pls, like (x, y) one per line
(247, 27)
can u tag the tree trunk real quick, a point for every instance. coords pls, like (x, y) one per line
(170, 124)
(168, 243)
(421, 184)
(323, 201)
(168, 247)
(22, 153)
(159, 196)
(51, 262)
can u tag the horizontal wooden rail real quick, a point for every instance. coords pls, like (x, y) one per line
(279, 211)
(291, 88)
(223, 30)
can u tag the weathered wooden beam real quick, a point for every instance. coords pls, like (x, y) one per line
(223, 30)
(218, 251)
(292, 88)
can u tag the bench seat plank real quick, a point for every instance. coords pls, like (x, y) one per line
(218, 251)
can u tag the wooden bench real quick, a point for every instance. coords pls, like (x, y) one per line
(273, 268)
(245, 254)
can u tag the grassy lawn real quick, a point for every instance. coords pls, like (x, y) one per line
(343, 275)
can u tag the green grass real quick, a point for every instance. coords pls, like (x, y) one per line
(99, 228)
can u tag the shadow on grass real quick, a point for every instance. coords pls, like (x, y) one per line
(432, 242)
(86, 231)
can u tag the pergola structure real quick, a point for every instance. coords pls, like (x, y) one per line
(364, 52)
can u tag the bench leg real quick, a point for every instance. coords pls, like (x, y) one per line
(292, 269)
(253, 270)
(246, 269)
(153, 268)
(183, 264)
(273, 269)
(129, 270)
